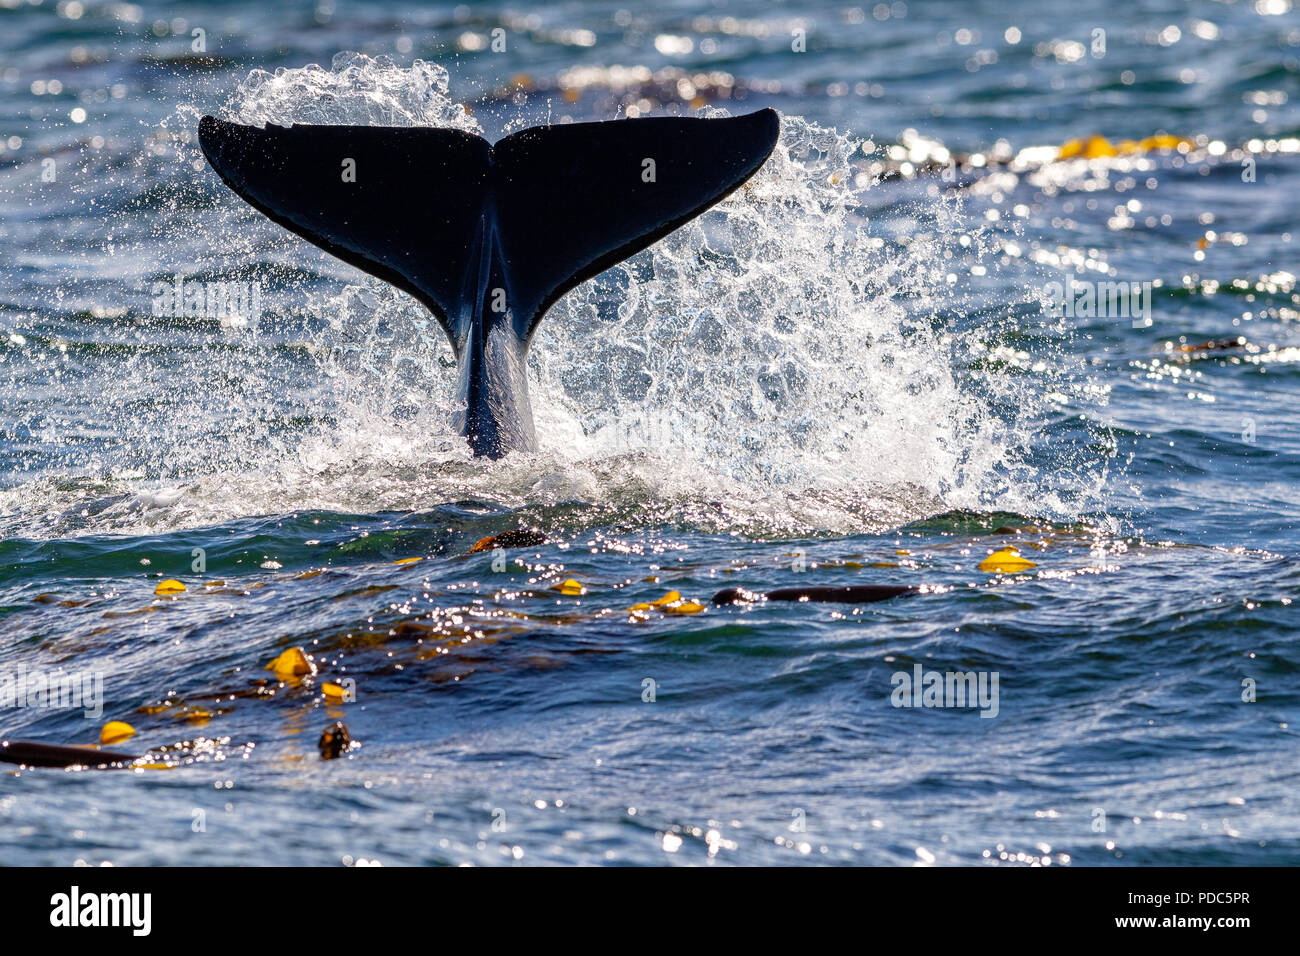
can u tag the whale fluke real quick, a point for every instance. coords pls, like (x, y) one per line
(489, 237)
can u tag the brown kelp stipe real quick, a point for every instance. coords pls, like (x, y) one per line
(857, 594)
(31, 754)
(519, 538)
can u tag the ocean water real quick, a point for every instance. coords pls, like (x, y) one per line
(854, 371)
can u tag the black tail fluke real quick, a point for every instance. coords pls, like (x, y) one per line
(401, 204)
(577, 199)
(489, 237)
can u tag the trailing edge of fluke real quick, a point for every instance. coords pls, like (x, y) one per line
(488, 237)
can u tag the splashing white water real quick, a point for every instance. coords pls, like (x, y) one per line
(773, 365)
(358, 90)
(765, 343)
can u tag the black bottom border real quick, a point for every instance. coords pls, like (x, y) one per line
(370, 906)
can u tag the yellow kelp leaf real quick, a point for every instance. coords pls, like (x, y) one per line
(115, 731)
(672, 597)
(1071, 149)
(1162, 141)
(683, 607)
(1006, 561)
(292, 663)
(169, 587)
(408, 560)
(335, 691)
(571, 588)
(1099, 146)
(639, 607)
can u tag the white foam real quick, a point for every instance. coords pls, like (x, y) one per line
(357, 90)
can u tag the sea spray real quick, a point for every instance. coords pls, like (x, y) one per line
(784, 363)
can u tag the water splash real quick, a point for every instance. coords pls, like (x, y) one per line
(357, 90)
(767, 342)
(778, 364)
